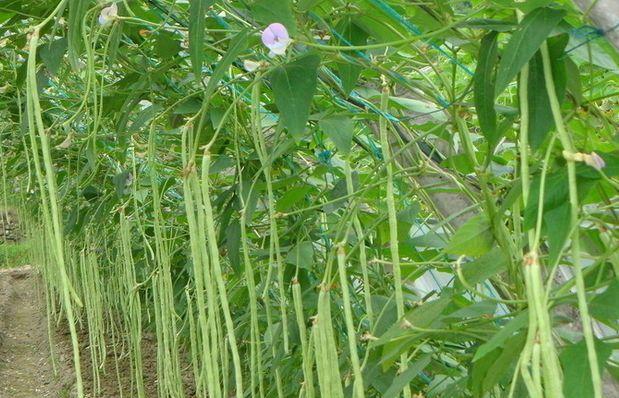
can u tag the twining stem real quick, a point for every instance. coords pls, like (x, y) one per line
(363, 262)
(207, 361)
(539, 319)
(275, 256)
(168, 362)
(52, 213)
(393, 223)
(257, 379)
(308, 374)
(568, 146)
(218, 273)
(350, 327)
(274, 252)
(132, 303)
(327, 364)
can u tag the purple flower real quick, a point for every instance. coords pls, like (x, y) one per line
(276, 38)
(591, 159)
(108, 14)
(594, 160)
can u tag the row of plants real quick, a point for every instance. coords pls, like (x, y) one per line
(320, 198)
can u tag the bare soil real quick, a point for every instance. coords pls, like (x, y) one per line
(26, 370)
(116, 377)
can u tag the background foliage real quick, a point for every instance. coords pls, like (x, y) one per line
(403, 203)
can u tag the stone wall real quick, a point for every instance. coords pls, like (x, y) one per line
(9, 226)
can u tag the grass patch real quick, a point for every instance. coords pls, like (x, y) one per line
(14, 254)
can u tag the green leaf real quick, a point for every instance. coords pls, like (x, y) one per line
(375, 27)
(419, 108)
(121, 182)
(489, 264)
(404, 378)
(540, 114)
(576, 371)
(557, 222)
(349, 75)
(426, 315)
(598, 52)
(197, 24)
(479, 370)
(144, 117)
(166, 46)
(191, 105)
(351, 34)
(484, 81)
(555, 194)
(573, 83)
(52, 54)
(430, 239)
(474, 238)
(306, 5)
(77, 12)
(292, 197)
(269, 11)
(398, 339)
(233, 244)
(294, 85)
(474, 310)
(340, 130)
(302, 255)
(556, 191)
(490, 374)
(531, 33)
(336, 196)
(489, 24)
(530, 5)
(605, 306)
(220, 164)
(5, 16)
(502, 335)
(387, 311)
(460, 162)
(238, 45)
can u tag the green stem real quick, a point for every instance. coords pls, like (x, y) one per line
(219, 278)
(574, 210)
(539, 319)
(393, 223)
(350, 327)
(52, 213)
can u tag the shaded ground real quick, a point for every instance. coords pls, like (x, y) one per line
(25, 364)
(25, 360)
(117, 373)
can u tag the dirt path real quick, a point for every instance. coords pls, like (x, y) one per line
(25, 361)
(25, 365)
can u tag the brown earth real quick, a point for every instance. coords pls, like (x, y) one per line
(26, 370)
(117, 374)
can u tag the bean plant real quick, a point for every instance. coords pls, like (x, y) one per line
(319, 198)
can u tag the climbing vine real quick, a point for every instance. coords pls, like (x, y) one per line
(320, 198)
